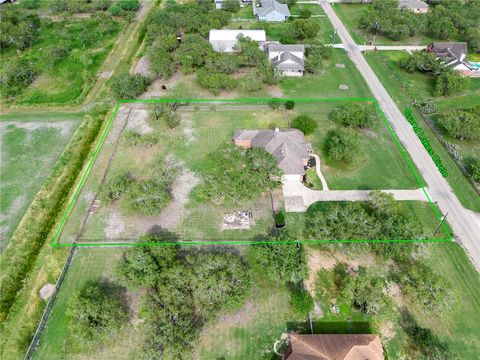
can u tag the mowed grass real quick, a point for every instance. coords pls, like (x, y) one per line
(459, 329)
(326, 84)
(351, 15)
(56, 341)
(385, 65)
(378, 154)
(30, 145)
(250, 333)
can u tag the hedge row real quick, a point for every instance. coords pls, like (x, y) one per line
(21, 253)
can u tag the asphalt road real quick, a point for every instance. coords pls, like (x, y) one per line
(462, 221)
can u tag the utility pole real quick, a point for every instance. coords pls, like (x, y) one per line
(441, 222)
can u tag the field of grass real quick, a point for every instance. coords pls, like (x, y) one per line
(419, 87)
(350, 14)
(56, 342)
(69, 79)
(326, 83)
(30, 145)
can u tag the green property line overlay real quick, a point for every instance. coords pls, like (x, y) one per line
(86, 173)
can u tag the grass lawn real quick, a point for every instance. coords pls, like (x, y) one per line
(30, 146)
(313, 8)
(68, 79)
(419, 87)
(204, 129)
(251, 332)
(326, 83)
(351, 14)
(55, 342)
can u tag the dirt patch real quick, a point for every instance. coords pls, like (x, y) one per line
(187, 128)
(343, 87)
(369, 133)
(106, 74)
(137, 121)
(340, 66)
(63, 126)
(274, 91)
(387, 331)
(142, 66)
(157, 88)
(46, 291)
(396, 294)
(115, 225)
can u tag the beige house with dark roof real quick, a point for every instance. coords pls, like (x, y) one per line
(288, 147)
(334, 347)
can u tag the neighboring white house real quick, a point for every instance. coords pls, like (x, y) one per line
(218, 4)
(417, 6)
(271, 10)
(287, 60)
(225, 40)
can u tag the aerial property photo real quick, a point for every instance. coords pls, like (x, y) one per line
(232, 179)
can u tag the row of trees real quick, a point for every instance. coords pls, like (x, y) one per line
(443, 21)
(462, 124)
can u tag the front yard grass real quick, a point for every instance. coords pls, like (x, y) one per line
(420, 87)
(30, 146)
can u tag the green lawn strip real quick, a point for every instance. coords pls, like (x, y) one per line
(420, 211)
(326, 83)
(351, 14)
(462, 187)
(31, 144)
(251, 332)
(245, 12)
(459, 102)
(315, 9)
(56, 342)
(460, 328)
(313, 179)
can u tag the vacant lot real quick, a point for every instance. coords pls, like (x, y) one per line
(420, 87)
(30, 145)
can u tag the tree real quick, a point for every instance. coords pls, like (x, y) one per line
(281, 261)
(353, 115)
(30, 4)
(215, 82)
(231, 5)
(15, 77)
(421, 61)
(461, 124)
(161, 62)
(251, 82)
(475, 169)
(193, 52)
(18, 28)
(97, 311)
(289, 104)
(305, 124)
(449, 83)
(305, 14)
(251, 55)
(342, 145)
(222, 63)
(128, 5)
(303, 29)
(473, 39)
(126, 86)
(315, 58)
(275, 103)
(439, 23)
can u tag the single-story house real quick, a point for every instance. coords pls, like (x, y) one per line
(288, 147)
(417, 6)
(452, 54)
(287, 60)
(334, 347)
(225, 40)
(271, 10)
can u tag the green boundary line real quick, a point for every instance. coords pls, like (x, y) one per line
(243, 242)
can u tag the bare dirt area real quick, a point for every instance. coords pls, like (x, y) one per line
(46, 291)
(187, 127)
(138, 122)
(115, 225)
(64, 126)
(142, 66)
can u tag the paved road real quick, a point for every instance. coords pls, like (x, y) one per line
(385, 47)
(298, 198)
(465, 226)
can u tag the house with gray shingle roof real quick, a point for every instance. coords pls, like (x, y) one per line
(417, 6)
(288, 147)
(271, 10)
(287, 60)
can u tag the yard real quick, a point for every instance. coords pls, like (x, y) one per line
(30, 145)
(420, 86)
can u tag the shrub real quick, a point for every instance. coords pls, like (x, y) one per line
(15, 77)
(427, 107)
(115, 10)
(289, 104)
(475, 169)
(449, 83)
(30, 4)
(216, 83)
(126, 86)
(342, 145)
(461, 124)
(305, 13)
(303, 29)
(305, 124)
(231, 5)
(301, 300)
(353, 115)
(128, 5)
(251, 82)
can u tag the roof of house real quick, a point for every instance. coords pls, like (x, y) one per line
(413, 4)
(281, 47)
(268, 6)
(450, 49)
(232, 35)
(288, 61)
(288, 146)
(335, 347)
